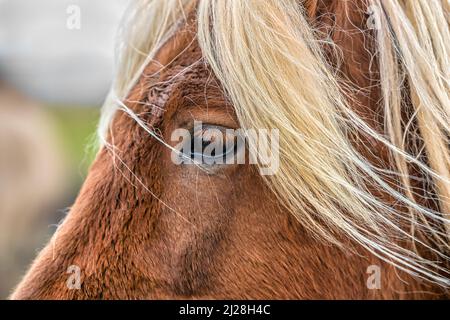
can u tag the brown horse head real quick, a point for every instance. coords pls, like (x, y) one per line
(144, 227)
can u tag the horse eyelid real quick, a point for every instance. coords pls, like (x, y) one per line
(225, 138)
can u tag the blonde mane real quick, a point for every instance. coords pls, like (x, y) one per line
(273, 68)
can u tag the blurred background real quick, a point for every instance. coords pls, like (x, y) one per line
(56, 64)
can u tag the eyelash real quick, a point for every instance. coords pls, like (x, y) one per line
(229, 145)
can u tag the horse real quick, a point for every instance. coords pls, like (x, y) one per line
(358, 206)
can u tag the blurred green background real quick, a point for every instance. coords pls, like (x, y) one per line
(56, 67)
(45, 153)
(76, 131)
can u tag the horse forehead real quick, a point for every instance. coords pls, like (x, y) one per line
(187, 77)
(178, 62)
(175, 67)
(177, 79)
(180, 48)
(177, 70)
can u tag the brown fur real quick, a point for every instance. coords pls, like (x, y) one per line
(224, 235)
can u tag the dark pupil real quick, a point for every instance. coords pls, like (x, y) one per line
(206, 143)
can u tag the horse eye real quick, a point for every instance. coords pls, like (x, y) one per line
(212, 145)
